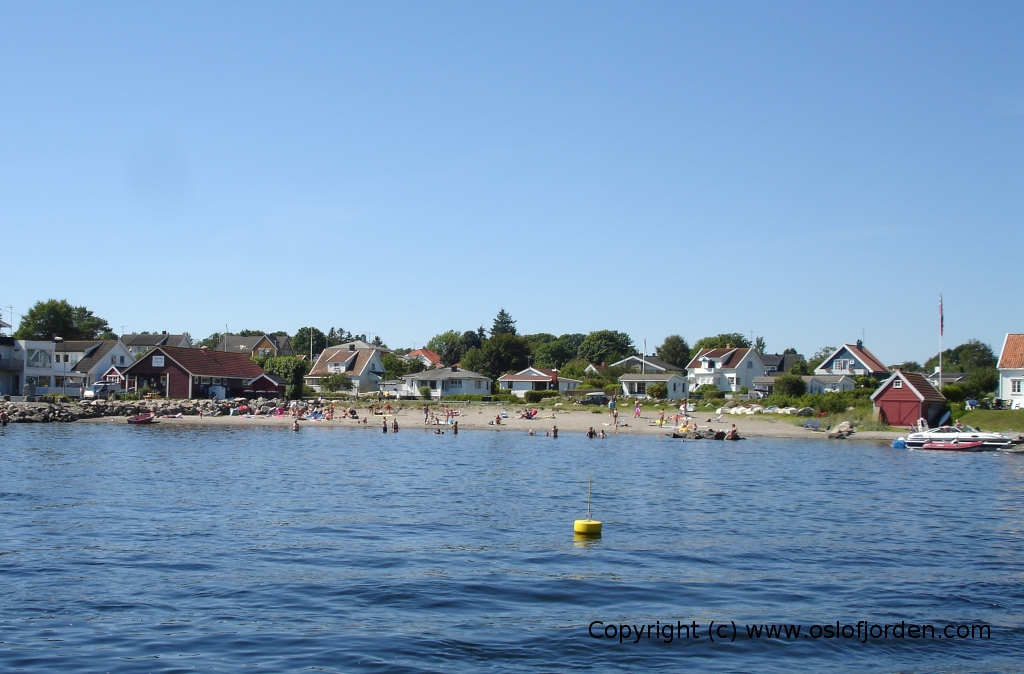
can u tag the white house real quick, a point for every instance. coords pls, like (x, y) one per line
(646, 364)
(37, 357)
(362, 365)
(853, 360)
(95, 362)
(1011, 371)
(637, 384)
(12, 366)
(829, 383)
(425, 356)
(445, 382)
(536, 379)
(729, 369)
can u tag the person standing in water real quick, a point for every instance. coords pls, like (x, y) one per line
(455, 428)
(394, 425)
(554, 431)
(385, 424)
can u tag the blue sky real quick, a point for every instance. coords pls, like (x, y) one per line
(802, 171)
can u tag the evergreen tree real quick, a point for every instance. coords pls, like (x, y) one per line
(674, 350)
(503, 324)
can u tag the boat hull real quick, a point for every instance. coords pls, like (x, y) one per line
(142, 418)
(955, 446)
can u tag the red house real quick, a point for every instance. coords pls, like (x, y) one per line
(905, 397)
(176, 372)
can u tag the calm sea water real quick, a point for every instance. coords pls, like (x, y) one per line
(169, 548)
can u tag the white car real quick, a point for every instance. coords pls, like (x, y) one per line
(100, 389)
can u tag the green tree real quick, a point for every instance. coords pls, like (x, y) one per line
(336, 382)
(539, 338)
(473, 360)
(791, 350)
(211, 342)
(396, 368)
(290, 368)
(606, 346)
(760, 345)
(819, 357)
(574, 369)
(789, 385)
(58, 318)
(505, 352)
(659, 391)
(447, 345)
(471, 340)
(573, 341)
(954, 393)
(336, 336)
(674, 350)
(722, 341)
(503, 324)
(300, 342)
(964, 358)
(982, 380)
(554, 354)
(908, 366)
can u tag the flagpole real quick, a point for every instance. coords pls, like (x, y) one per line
(942, 327)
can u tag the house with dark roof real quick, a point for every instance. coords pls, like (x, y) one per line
(258, 346)
(779, 363)
(536, 379)
(444, 382)
(730, 369)
(906, 397)
(140, 343)
(177, 372)
(361, 365)
(854, 360)
(646, 364)
(1011, 371)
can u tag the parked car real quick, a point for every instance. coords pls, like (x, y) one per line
(101, 389)
(594, 399)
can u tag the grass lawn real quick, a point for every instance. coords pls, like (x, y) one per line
(995, 420)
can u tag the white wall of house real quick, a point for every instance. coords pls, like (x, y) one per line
(676, 385)
(1011, 387)
(817, 386)
(39, 362)
(441, 388)
(119, 356)
(729, 379)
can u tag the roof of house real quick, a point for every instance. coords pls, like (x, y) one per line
(239, 344)
(151, 339)
(6, 341)
(1012, 355)
(76, 345)
(282, 341)
(827, 378)
(95, 356)
(775, 359)
(544, 374)
(917, 383)
(431, 357)
(650, 376)
(272, 377)
(730, 357)
(443, 373)
(355, 361)
(767, 379)
(209, 363)
(649, 360)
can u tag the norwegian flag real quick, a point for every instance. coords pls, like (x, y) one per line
(942, 320)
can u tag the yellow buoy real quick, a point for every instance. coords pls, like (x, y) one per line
(588, 526)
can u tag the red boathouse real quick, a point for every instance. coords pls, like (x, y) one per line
(176, 372)
(905, 397)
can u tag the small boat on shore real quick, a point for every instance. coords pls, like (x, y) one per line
(146, 418)
(955, 446)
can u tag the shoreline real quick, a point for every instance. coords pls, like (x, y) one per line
(568, 422)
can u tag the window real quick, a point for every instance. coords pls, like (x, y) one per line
(750, 364)
(113, 360)
(334, 367)
(43, 382)
(641, 388)
(38, 358)
(454, 383)
(478, 382)
(263, 352)
(121, 360)
(898, 383)
(1015, 385)
(158, 361)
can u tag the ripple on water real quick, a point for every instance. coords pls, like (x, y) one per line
(180, 548)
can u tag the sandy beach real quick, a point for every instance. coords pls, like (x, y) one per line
(569, 421)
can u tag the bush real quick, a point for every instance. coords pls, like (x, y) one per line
(744, 390)
(954, 393)
(612, 390)
(54, 398)
(789, 385)
(335, 382)
(711, 391)
(537, 396)
(425, 392)
(659, 391)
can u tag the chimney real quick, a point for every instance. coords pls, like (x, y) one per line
(455, 368)
(352, 346)
(860, 343)
(164, 332)
(728, 346)
(203, 348)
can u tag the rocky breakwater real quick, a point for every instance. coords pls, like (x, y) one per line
(93, 409)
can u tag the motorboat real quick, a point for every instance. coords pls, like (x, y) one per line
(955, 446)
(146, 418)
(960, 435)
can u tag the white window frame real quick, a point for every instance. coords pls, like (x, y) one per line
(898, 383)
(1016, 386)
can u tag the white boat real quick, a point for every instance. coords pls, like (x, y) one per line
(962, 434)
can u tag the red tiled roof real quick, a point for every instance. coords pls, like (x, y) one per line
(867, 358)
(426, 353)
(207, 363)
(737, 355)
(1012, 357)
